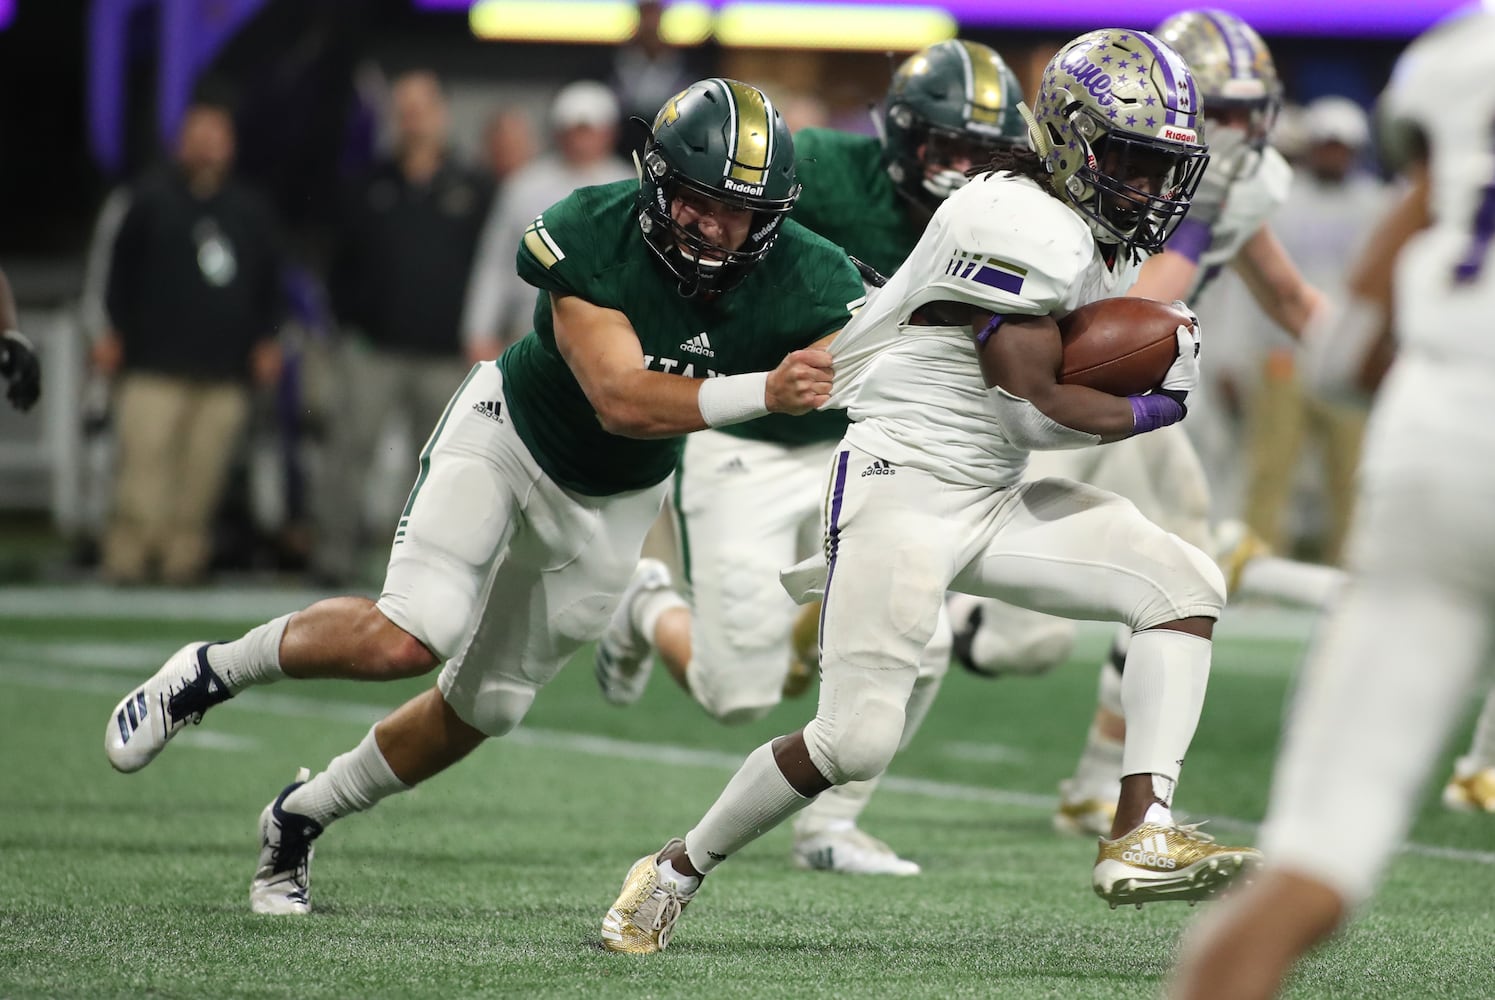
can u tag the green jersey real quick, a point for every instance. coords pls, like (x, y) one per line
(589, 245)
(849, 198)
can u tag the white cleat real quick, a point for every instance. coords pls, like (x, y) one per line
(642, 918)
(179, 693)
(850, 851)
(624, 657)
(282, 883)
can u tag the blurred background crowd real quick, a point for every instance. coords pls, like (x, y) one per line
(356, 175)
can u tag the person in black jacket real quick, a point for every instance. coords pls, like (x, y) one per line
(193, 302)
(405, 246)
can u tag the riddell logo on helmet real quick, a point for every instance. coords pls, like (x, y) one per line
(740, 188)
(1179, 134)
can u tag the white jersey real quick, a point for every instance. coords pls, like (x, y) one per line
(1252, 200)
(1450, 264)
(915, 394)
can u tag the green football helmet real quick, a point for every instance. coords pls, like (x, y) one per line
(723, 140)
(951, 103)
(1117, 124)
(1236, 76)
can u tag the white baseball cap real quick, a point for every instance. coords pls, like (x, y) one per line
(1336, 119)
(584, 102)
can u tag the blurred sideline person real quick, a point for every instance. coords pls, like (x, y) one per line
(508, 145)
(498, 304)
(748, 499)
(193, 301)
(19, 367)
(1161, 473)
(548, 467)
(405, 246)
(647, 70)
(949, 378)
(1329, 208)
(1375, 704)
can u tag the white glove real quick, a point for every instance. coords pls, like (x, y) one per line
(1183, 375)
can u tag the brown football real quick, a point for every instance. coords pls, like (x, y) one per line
(1120, 345)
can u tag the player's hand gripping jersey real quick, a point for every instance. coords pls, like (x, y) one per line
(915, 393)
(588, 245)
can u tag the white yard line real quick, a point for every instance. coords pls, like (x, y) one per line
(290, 705)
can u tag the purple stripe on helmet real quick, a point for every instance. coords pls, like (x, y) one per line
(1170, 99)
(1242, 59)
(833, 532)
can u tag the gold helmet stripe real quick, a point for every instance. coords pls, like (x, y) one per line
(983, 84)
(749, 132)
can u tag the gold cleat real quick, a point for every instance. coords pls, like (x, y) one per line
(1085, 817)
(1235, 546)
(1155, 864)
(804, 651)
(1471, 790)
(642, 919)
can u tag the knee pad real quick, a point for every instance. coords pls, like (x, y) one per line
(737, 691)
(860, 748)
(1193, 586)
(1040, 646)
(494, 709)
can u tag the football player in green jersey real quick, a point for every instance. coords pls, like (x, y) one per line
(538, 484)
(747, 498)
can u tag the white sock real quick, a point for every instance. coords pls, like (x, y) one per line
(353, 782)
(1482, 751)
(757, 799)
(1159, 814)
(1297, 583)
(252, 659)
(646, 611)
(684, 884)
(1162, 692)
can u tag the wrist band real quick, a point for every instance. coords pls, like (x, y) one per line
(731, 399)
(1153, 411)
(989, 329)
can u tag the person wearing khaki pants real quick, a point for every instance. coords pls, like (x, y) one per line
(193, 300)
(1282, 417)
(176, 438)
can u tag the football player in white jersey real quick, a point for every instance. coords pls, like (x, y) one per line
(1161, 473)
(1374, 706)
(747, 500)
(949, 377)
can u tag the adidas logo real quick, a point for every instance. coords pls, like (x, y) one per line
(699, 344)
(1150, 851)
(733, 465)
(490, 408)
(879, 468)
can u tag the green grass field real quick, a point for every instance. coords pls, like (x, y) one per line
(492, 880)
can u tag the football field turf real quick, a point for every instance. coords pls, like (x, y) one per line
(492, 879)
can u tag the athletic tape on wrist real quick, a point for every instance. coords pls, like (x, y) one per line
(1153, 411)
(731, 399)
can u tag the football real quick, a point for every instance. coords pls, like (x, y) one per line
(1120, 345)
